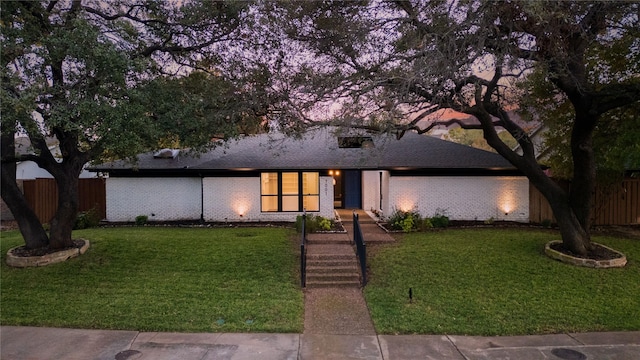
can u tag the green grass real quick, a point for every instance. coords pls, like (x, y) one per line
(162, 279)
(498, 282)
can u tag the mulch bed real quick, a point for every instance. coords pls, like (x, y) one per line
(22, 251)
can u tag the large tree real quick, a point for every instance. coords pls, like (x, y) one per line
(112, 79)
(400, 61)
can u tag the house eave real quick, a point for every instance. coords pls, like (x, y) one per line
(250, 172)
(455, 172)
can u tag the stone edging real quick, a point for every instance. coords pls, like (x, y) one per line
(598, 264)
(48, 259)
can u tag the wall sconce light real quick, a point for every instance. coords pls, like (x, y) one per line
(331, 172)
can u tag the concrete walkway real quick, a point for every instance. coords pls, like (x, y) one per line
(337, 320)
(339, 309)
(20, 343)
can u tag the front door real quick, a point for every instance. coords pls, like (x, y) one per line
(352, 196)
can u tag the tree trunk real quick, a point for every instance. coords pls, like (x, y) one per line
(65, 217)
(571, 209)
(584, 169)
(575, 237)
(32, 231)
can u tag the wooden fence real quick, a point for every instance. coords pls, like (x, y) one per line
(42, 196)
(615, 205)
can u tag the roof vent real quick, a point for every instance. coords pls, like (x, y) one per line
(166, 154)
(355, 142)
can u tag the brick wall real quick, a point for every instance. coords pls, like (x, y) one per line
(166, 199)
(462, 198)
(226, 198)
(161, 199)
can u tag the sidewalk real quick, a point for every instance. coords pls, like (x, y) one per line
(20, 343)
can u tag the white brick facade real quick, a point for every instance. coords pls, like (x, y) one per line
(225, 199)
(462, 198)
(375, 190)
(160, 199)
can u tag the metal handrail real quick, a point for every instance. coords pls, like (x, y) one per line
(361, 248)
(303, 252)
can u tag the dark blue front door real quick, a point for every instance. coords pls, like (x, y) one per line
(352, 189)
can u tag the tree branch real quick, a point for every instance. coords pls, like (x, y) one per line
(613, 96)
(125, 15)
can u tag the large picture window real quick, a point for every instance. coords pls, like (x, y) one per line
(290, 191)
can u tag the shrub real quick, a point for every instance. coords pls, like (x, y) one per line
(440, 219)
(309, 224)
(87, 219)
(141, 220)
(406, 221)
(426, 224)
(408, 224)
(324, 224)
(314, 223)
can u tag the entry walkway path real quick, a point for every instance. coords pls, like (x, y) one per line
(337, 320)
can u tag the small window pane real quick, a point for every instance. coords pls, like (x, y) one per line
(311, 202)
(269, 203)
(289, 183)
(290, 203)
(269, 183)
(311, 183)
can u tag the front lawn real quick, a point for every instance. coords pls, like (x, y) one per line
(162, 279)
(497, 282)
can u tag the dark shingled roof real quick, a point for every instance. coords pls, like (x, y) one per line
(319, 150)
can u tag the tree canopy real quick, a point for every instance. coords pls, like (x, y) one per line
(403, 60)
(110, 80)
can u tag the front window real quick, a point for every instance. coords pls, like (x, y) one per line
(290, 191)
(311, 191)
(269, 191)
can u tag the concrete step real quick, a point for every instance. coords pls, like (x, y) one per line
(329, 263)
(335, 269)
(333, 277)
(328, 241)
(332, 284)
(330, 257)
